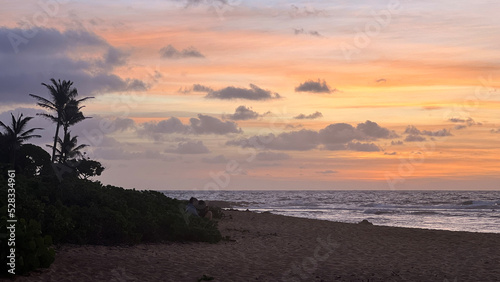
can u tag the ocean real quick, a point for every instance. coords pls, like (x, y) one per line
(473, 211)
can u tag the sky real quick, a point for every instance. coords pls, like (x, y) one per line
(272, 95)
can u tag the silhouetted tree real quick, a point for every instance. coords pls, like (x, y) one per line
(69, 149)
(72, 114)
(33, 160)
(89, 168)
(15, 134)
(62, 102)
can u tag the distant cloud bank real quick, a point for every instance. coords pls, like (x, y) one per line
(338, 136)
(77, 55)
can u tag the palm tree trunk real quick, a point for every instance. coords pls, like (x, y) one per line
(63, 150)
(55, 141)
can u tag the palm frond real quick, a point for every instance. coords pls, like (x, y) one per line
(42, 102)
(30, 131)
(48, 116)
(84, 99)
(25, 138)
(79, 147)
(21, 122)
(7, 128)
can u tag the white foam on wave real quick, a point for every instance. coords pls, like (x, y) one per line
(477, 211)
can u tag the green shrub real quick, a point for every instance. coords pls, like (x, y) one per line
(86, 212)
(32, 249)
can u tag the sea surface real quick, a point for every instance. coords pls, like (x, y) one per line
(474, 211)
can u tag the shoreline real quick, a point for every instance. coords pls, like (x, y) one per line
(233, 206)
(270, 247)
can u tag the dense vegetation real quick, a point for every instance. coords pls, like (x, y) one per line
(57, 203)
(81, 211)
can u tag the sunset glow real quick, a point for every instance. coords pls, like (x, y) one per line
(245, 95)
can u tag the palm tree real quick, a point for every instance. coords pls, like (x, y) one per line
(16, 134)
(62, 94)
(72, 114)
(69, 151)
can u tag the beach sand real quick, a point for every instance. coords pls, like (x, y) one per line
(268, 247)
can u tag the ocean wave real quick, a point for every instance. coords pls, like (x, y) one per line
(379, 212)
(424, 213)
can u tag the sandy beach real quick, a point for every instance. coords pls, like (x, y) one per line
(268, 247)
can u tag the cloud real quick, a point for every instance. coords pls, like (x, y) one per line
(314, 87)
(201, 88)
(374, 130)
(460, 126)
(123, 124)
(215, 159)
(315, 33)
(298, 31)
(189, 147)
(171, 125)
(195, 88)
(390, 154)
(103, 124)
(311, 116)
(210, 3)
(495, 130)
(202, 125)
(302, 140)
(438, 133)
(362, 147)
(170, 52)
(231, 92)
(271, 156)
(414, 138)
(328, 171)
(243, 113)
(252, 93)
(304, 11)
(397, 143)
(339, 133)
(410, 129)
(338, 136)
(381, 80)
(465, 122)
(209, 125)
(80, 56)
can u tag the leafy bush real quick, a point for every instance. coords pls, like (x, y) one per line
(86, 212)
(31, 248)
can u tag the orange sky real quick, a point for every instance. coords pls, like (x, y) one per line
(431, 65)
